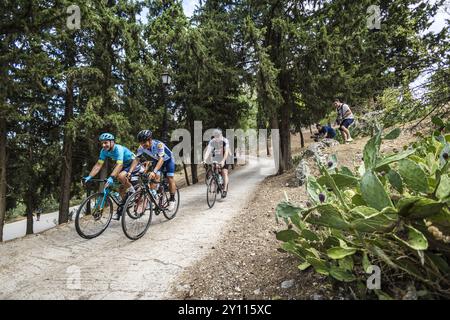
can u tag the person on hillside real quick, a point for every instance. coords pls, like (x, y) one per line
(344, 118)
(324, 132)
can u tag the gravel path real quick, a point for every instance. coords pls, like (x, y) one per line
(58, 264)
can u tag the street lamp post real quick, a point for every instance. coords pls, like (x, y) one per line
(166, 79)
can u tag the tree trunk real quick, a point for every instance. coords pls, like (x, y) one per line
(285, 126)
(194, 173)
(29, 210)
(66, 175)
(302, 140)
(186, 174)
(2, 174)
(285, 139)
(310, 129)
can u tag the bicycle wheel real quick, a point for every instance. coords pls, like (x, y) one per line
(164, 203)
(138, 216)
(94, 215)
(211, 192)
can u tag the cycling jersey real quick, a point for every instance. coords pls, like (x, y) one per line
(218, 147)
(157, 150)
(120, 154)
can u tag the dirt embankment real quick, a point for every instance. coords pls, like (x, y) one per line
(246, 262)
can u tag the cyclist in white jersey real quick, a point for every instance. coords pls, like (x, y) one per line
(219, 149)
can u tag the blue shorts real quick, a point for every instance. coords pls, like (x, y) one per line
(168, 167)
(346, 123)
(137, 170)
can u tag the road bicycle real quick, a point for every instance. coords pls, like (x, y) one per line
(215, 183)
(142, 203)
(95, 212)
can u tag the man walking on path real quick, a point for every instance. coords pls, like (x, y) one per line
(344, 118)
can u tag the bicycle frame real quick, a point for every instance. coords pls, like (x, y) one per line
(216, 171)
(106, 193)
(146, 181)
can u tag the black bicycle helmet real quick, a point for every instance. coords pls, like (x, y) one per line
(144, 135)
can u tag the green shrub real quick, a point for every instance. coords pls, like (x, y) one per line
(393, 212)
(16, 212)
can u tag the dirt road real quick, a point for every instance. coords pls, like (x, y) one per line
(58, 264)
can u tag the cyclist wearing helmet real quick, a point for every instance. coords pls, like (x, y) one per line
(219, 147)
(123, 157)
(161, 157)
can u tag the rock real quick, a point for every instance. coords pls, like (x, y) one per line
(257, 292)
(330, 142)
(314, 150)
(237, 289)
(184, 288)
(317, 297)
(308, 153)
(287, 284)
(302, 172)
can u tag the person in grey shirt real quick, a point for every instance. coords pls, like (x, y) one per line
(344, 118)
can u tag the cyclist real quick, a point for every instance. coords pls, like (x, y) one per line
(161, 157)
(219, 147)
(123, 157)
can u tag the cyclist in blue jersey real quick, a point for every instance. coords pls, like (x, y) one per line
(123, 158)
(162, 159)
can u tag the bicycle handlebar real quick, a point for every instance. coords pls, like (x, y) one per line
(92, 181)
(213, 163)
(97, 180)
(147, 176)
